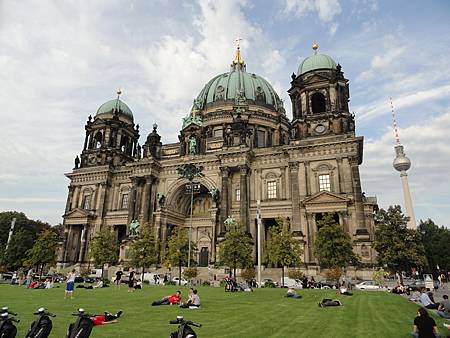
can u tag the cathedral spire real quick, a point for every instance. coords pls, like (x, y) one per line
(238, 63)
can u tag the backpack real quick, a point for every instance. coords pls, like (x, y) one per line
(7, 329)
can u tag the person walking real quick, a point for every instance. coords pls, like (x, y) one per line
(131, 281)
(70, 284)
(119, 274)
(29, 276)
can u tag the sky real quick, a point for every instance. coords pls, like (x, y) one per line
(60, 60)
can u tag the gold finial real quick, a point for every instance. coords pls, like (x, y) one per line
(119, 92)
(315, 47)
(238, 58)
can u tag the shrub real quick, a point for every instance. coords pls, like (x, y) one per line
(171, 282)
(334, 274)
(296, 274)
(269, 284)
(248, 274)
(206, 283)
(190, 273)
(222, 283)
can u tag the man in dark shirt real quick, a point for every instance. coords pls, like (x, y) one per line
(424, 325)
(119, 274)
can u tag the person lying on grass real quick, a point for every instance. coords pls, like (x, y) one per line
(173, 299)
(343, 291)
(106, 318)
(291, 293)
(193, 300)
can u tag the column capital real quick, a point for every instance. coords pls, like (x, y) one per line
(243, 169)
(224, 171)
(293, 165)
(150, 179)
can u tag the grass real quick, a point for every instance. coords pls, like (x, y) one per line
(263, 313)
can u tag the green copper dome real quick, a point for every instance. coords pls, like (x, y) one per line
(111, 105)
(239, 87)
(316, 61)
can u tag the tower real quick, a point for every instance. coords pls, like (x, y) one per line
(402, 164)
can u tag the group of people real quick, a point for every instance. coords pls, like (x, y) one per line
(193, 301)
(133, 282)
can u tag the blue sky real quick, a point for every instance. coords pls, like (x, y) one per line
(60, 60)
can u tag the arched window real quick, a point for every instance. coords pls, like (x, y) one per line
(98, 139)
(318, 103)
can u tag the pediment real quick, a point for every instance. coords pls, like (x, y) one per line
(78, 213)
(325, 197)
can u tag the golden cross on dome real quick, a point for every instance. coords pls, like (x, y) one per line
(238, 57)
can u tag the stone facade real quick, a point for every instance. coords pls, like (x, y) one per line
(250, 151)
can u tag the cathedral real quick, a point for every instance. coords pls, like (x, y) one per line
(250, 152)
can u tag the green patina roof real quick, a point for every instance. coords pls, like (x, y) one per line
(230, 87)
(109, 106)
(316, 61)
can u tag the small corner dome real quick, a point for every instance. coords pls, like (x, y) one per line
(110, 106)
(314, 62)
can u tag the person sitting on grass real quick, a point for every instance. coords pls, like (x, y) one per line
(106, 318)
(444, 308)
(173, 299)
(193, 300)
(424, 326)
(426, 301)
(342, 290)
(291, 293)
(99, 284)
(138, 284)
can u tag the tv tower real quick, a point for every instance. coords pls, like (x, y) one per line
(402, 164)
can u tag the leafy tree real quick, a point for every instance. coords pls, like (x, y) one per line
(143, 251)
(296, 274)
(21, 242)
(379, 276)
(333, 246)
(43, 251)
(282, 248)
(178, 250)
(436, 241)
(236, 248)
(334, 274)
(399, 248)
(190, 273)
(104, 248)
(248, 274)
(24, 235)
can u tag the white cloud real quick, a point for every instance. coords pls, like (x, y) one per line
(428, 147)
(325, 9)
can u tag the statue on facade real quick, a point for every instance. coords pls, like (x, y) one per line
(161, 200)
(192, 145)
(215, 195)
(230, 222)
(77, 162)
(134, 228)
(139, 150)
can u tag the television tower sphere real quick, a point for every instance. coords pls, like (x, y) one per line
(401, 162)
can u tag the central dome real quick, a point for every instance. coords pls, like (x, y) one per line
(239, 86)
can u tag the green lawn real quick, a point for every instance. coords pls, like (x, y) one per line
(263, 313)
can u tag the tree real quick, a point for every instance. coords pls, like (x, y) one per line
(399, 248)
(333, 246)
(248, 274)
(178, 250)
(282, 248)
(24, 235)
(143, 251)
(104, 248)
(43, 251)
(436, 241)
(236, 248)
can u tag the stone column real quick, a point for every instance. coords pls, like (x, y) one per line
(310, 237)
(224, 172)
(307, 178)
(152, 200)
(132, 201)
(83, 243)
(213, 216)
(65, 243)
(146, 198)
(69, 198)
(295, 223)
(75, 198)
(244, 197)
(103, 200)
(340, 175)
(137, 204)
(357, 194)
